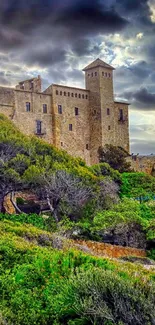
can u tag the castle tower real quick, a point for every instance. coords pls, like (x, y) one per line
(99, 81)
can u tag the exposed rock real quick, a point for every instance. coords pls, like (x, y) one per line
(130, 235)
(57, 242)
(140, 260)
(44, 240)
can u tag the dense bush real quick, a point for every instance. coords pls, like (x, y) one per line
(138, 185)
(102, 297)
(34, 219)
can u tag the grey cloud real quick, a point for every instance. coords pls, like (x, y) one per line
(144, 147)
(141, 99)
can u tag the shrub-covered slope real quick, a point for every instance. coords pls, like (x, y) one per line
(42, 285)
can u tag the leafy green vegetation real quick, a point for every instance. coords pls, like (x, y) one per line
(42, 281)
(138, 185)
(40, 285)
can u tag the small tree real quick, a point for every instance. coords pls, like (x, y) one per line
(12, 166)
(115, 157)
(63, 187)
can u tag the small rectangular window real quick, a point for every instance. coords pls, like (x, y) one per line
(106, 74)
(44, 108)
(103, 74)
(75, 95)
(57, 93)
(28, 107)
(61, 144)
(79, 95)
(109, 127)
(95, 73)
(76, 111)
(87, 146)
(70, 127)
(64, 93)
(109, 75)
(108, 111)
(92, 74)
(72, 95)
(86, 96)
(83, 96)
(60, 93)
(68, 94)
(38, 127)
(121, 114)
(60, 109)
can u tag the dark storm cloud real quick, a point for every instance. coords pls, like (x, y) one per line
(44, 56)
(77, 17)
(91, 17)
(67, 25)
(138, 8)
(141, 99)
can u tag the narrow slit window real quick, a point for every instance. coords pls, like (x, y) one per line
(70, 127)
(57, 93)
(45, 108)
(121, 114)
(64, 93)
(38, 127)
(72, 94)
(28, 107)
(60, 109)
(86, 96)
(68, 94)
(83, 96)
(76, 95)
(76, 111)
(108, 111)
(60, 93)
(95, 73)
(79, 95)
(109, 127)
(87, 146)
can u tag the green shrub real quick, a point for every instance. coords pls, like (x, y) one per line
(34, 219)
(102, 297)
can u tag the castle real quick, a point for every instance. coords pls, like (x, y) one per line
(76, 120)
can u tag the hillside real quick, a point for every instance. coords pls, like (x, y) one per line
(50, 270)
(42, 285)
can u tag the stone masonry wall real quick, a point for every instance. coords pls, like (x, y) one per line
(144, 164)
(79, 134)
(121, 137)
(76, 141)
(7, 101)
(26, 121)
(113, 251)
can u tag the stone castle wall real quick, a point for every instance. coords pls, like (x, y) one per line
(145, 164)
(80, 134)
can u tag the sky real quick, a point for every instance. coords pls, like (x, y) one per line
(57, 38)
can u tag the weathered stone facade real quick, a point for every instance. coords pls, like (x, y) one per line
(76, 120)
(145, 164)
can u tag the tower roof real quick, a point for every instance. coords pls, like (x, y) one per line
(98, 63)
